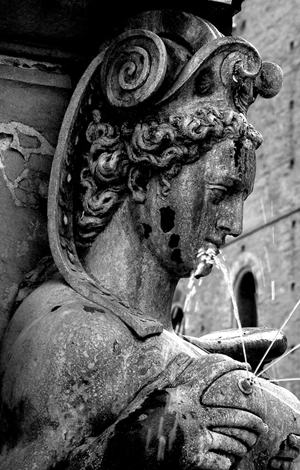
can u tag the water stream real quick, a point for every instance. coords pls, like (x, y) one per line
(227, 279)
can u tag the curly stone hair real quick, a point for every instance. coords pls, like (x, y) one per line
(155, 146)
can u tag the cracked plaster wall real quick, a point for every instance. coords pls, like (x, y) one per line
(25, 163)
(30, 118)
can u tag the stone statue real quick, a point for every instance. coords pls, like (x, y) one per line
(154, 162)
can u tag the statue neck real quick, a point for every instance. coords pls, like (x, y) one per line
(121, 262)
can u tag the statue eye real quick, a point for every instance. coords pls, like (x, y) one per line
(218, 192)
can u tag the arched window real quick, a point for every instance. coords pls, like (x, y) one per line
(245, 292)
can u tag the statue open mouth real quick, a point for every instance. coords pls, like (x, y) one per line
(206, 257)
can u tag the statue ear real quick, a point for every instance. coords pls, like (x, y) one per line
(137, 182)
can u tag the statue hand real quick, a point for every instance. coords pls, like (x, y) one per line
(231, 434)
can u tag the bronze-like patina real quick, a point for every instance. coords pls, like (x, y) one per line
(154, 162)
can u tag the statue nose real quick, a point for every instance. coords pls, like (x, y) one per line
(231, 217)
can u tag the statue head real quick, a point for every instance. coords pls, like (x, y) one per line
(160, 111)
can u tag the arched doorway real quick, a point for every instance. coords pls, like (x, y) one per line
(245, 292)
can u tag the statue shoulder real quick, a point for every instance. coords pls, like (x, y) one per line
(54, 310)
(56, 337)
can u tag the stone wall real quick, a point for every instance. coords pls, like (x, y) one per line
(270, 244)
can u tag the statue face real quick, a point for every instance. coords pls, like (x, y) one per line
(204, 204)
